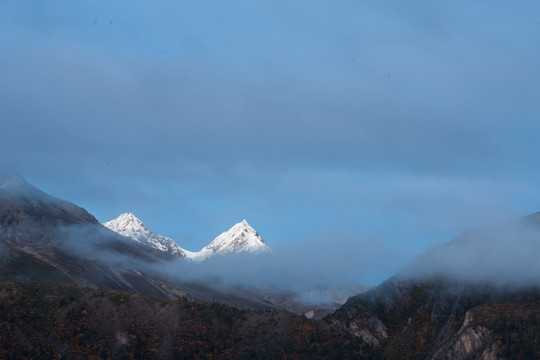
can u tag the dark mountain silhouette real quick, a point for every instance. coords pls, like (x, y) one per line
(27, 214)
(70, 289)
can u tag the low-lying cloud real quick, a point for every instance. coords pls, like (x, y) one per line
(311, 269)
(504, 255)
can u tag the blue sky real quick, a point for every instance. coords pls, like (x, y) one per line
(380, 127)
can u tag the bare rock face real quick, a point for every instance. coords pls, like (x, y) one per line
(470, 341)
(360, 322)
(441, 320)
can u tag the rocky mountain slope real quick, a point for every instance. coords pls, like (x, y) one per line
(439, 319)
(451, 303)
(29, 215)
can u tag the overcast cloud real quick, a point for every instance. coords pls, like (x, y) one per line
(405, 122)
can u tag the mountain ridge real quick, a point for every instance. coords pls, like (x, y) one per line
(240, 238)
(132, 227)
(49, 246)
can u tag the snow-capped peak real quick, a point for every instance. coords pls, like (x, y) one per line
(241, 237)
(129, 225)
(127, 222)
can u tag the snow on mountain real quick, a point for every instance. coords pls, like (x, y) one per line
(240, 238)
(198, 256)
(129, 225)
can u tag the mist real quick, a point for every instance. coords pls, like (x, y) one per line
(312, 272)
(503, 255)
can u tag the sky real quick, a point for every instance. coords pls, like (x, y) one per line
(370, 131)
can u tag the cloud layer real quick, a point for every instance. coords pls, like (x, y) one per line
(406, 123)
(504, 255)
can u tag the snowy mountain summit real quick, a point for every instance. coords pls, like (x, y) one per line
(240, 238)
(129, 225)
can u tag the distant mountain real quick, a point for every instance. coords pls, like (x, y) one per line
(129, 225)
(240, 238)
